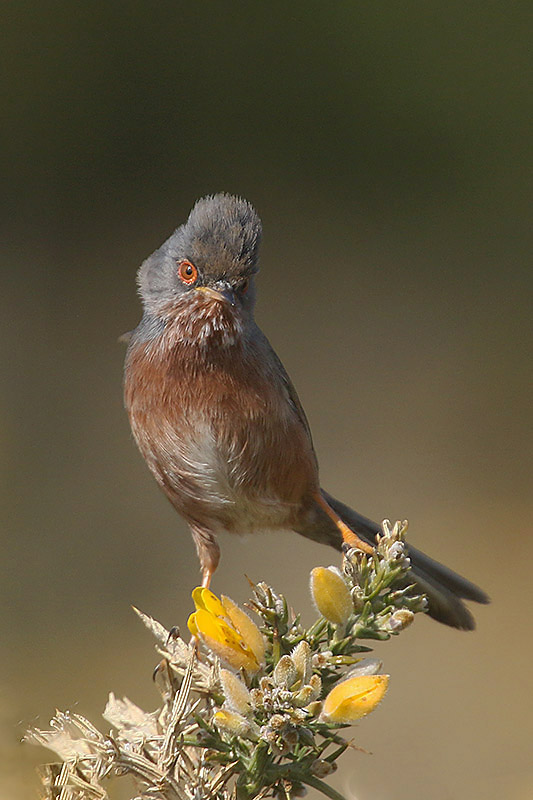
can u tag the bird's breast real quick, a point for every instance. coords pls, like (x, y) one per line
(220, 434)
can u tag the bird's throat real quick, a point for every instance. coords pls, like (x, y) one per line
(204, 323)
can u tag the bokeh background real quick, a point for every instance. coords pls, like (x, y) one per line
(387, 148)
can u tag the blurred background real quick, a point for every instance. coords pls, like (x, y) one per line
(386, 147)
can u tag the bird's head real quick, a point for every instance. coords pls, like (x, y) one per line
(207, 266)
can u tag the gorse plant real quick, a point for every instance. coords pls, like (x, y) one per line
(248, 710)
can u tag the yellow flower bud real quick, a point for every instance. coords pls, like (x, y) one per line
(308, 693)
(314, 709)
(285, 672)
(331, 595)
(235, 724)
(301, 657)
(354, 698)
(237, 695)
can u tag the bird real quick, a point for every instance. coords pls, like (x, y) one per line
(216, 416)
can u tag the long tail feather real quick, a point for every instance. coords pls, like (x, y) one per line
(445, 589)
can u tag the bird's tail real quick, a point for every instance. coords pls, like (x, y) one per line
(444, 588)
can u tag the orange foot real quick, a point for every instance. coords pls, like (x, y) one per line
(348, 536)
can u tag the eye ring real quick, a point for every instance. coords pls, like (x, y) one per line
(187, 272)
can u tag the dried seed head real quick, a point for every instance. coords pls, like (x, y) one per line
(322, 768)
(400, 619)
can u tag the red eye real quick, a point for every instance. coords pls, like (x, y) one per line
(245, 287)
(187, 272)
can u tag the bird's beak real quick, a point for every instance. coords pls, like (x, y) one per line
(225, 293)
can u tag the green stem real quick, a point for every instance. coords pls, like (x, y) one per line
(219, 746)
(276, 648)
(336, 753)
(316, 783)
(317, 629)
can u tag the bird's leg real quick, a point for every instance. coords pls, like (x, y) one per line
(208, 553)
(207, 574)
(348, 536)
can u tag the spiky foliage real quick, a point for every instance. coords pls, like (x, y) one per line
(248, 711)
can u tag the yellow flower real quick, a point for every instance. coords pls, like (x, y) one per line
(226, 630)
(354, 698)
(234, 724)
(331, 595)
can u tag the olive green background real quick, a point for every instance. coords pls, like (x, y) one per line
(387, 148)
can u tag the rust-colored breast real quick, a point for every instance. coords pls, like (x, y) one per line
(219, 431)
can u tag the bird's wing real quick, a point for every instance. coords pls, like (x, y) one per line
(294, 400)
